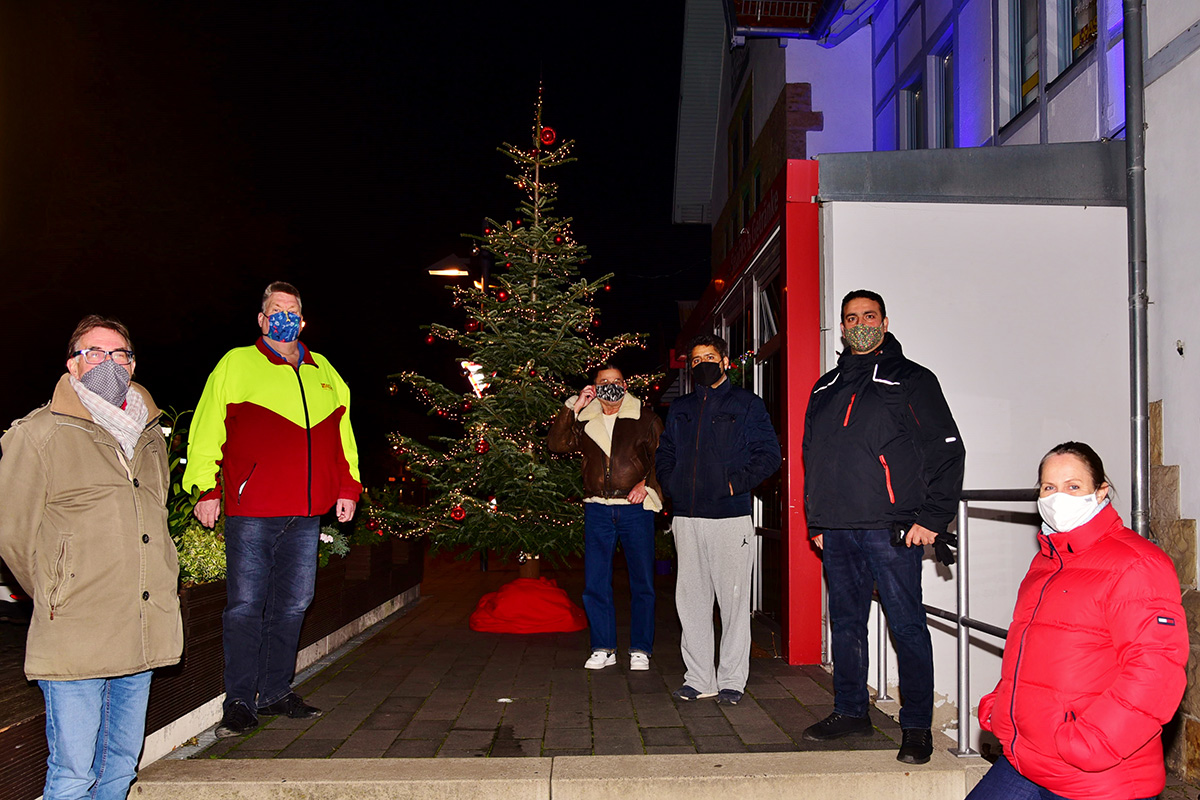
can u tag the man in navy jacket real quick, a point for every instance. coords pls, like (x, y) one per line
(718, 445)
(883, 470)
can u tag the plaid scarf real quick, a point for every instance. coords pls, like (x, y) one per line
(125, 424)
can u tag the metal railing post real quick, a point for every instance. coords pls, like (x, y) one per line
(964, 641)
(881, 692)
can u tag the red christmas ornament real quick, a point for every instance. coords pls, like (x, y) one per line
(595, 323)
(466, 404)
(508, 265)
(558, 240)
(458, 513)
(429, 339)
(501, 295)
(472, 324)
(547, 136)
(533, 373)
(372, 524)
(482, 447)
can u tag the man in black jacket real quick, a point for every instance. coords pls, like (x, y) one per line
(718, 444)
(883, 464)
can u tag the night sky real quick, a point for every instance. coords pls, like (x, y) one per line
(162, 162)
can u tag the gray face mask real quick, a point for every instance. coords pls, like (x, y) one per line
(610, 392)
(108, 380)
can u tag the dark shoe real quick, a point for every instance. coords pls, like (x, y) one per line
(836, 725)
(917, 746)
(290, 705)
(729, 697)
(687, 694)
(238, 719)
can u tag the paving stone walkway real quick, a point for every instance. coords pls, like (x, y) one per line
(426, 685)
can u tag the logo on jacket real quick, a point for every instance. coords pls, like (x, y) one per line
(1166, 621)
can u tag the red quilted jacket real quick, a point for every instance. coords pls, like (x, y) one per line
(1093, 664)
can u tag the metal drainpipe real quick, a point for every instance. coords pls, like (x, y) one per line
(1135, 186)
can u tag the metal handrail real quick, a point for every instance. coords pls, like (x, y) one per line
(961, 618)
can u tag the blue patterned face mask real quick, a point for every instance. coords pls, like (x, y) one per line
(283, 326)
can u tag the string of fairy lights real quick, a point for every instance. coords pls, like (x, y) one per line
(528, 336)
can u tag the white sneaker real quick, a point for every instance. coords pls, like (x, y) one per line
(639, 661)
(600, 659)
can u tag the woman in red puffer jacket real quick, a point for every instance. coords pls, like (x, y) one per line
(1094, 660)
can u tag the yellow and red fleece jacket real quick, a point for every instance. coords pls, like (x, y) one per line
(271, 439)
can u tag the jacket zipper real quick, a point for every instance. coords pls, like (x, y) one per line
(887, 477)
(242, 488)
(846, 421)
(1012, 701)
(696, 455)
(307, 433)
(59, 573)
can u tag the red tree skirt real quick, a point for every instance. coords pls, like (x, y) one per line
(528, 605)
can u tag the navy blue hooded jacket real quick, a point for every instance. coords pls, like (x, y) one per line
(880, 446)
(718, 444)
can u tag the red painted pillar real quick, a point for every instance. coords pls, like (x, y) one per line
(801, 368)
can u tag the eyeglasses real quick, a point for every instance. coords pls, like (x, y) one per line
(98, 356)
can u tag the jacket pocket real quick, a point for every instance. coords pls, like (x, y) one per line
(887, 479)
(61, 578)
(245, 481)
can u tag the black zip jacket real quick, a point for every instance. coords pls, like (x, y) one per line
(715, 439)
(880, 446)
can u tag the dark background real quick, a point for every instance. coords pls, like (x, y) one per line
(162, 162)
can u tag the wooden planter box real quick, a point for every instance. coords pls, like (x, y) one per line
(338, 600)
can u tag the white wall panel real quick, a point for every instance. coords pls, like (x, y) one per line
(1173, 261)
(841, 90)
(909, 41)
(1021, 312)
(973, 62)
(1074, 113)
(936, 12)
(1166, 19)
(883, 23)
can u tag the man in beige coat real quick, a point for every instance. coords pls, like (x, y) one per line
(83, 526)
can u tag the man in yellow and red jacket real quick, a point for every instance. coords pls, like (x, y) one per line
(271, 443)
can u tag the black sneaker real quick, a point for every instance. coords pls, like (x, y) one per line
(917, 746)
(238, 719)
(836, 725)
(290, 705)
(729, 697)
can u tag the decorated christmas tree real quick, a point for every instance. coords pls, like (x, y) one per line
(528, 340)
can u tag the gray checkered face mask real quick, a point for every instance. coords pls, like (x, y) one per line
(109, 380)
(610, 392)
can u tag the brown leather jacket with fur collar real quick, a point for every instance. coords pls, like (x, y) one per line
(611, 468)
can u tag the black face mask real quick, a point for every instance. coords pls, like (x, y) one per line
(707, 373)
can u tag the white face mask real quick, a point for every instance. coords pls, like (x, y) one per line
(1065, 512)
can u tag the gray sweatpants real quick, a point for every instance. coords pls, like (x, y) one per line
(716, 557)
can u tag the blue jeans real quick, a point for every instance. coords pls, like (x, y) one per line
(856, 561)
(271, 568)
(94, 729)
(633, 527)
(1003, 782)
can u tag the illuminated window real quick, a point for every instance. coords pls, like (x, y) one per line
(1073, 31)
(912, 115)
(1019, 43)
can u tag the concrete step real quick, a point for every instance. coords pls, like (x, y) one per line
(763, 776)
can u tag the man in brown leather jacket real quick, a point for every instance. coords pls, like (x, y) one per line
(618, 438)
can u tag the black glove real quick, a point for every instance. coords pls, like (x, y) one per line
(944, 546)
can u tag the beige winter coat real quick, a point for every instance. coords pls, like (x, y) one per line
(84, 530)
